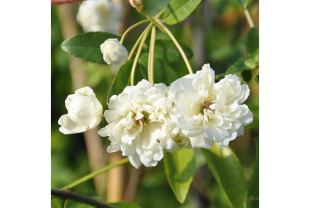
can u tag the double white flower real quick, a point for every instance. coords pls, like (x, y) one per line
(210, 112)
(99, 15)
(84, 112)
(138, 123)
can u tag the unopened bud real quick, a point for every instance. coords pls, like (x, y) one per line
(138, 5)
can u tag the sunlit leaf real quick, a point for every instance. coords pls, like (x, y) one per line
(254, 184)
(55, 203)
(155, 6)
(251, 63)
(228, 173)
(236, 67)
(178, 10)
(86, 46)
(180, 168)
(243, 3)
(252, 44)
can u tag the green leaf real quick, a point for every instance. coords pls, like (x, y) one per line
(86, 46)
(166, 50)
(246, 75)
(252, 44)
(228, 173)
(256, 79)
(155, 6)
(251, 63)
(254, 184)
(162, 72)
(55, 203)
(243, 3)
(76, 204)
(254, 203)
(121, 79)
(236, 67)
(178, 10)
(123, 205)
(180, 168)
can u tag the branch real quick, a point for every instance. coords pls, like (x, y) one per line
(57, 2)
(78, 197)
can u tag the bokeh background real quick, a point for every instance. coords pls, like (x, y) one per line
(216, 32)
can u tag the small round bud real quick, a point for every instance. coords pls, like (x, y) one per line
(135, 3)
(138, 5)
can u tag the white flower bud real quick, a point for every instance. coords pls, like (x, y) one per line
(113, 52)
(84, 112)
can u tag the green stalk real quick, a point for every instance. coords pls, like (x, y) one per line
(138, 41)
(249, 17)
(151, 56)
(135, 62)
(130, 28)
(155, 23)
(176, 43)
(93, 174)
(142, 34)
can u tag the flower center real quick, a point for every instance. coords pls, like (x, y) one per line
(206, 105)
(143, 120)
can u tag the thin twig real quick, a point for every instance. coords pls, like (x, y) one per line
(78, 197)
(93, 174)
(57, 2)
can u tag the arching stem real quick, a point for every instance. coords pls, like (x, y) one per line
(132, 76)
(93, 174)
(130, 28)
(178, 47)
(151, 56)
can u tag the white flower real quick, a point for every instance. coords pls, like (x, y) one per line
(84, 112)
(210, 112)
(137, 123)
(180, 139)
(99, 15)
(113, 52)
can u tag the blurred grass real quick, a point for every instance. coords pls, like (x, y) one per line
(224, 34)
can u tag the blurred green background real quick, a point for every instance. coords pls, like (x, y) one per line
(216, 32)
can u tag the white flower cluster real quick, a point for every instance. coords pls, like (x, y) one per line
(144, 120)
(99, 15)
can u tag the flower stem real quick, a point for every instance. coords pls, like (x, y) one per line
(93, 174)
(140, 37)
(249, 17)
(130, 28)
(132, 76)
(151, 55)
(155, 23)
(178, 47)
(138, 41)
